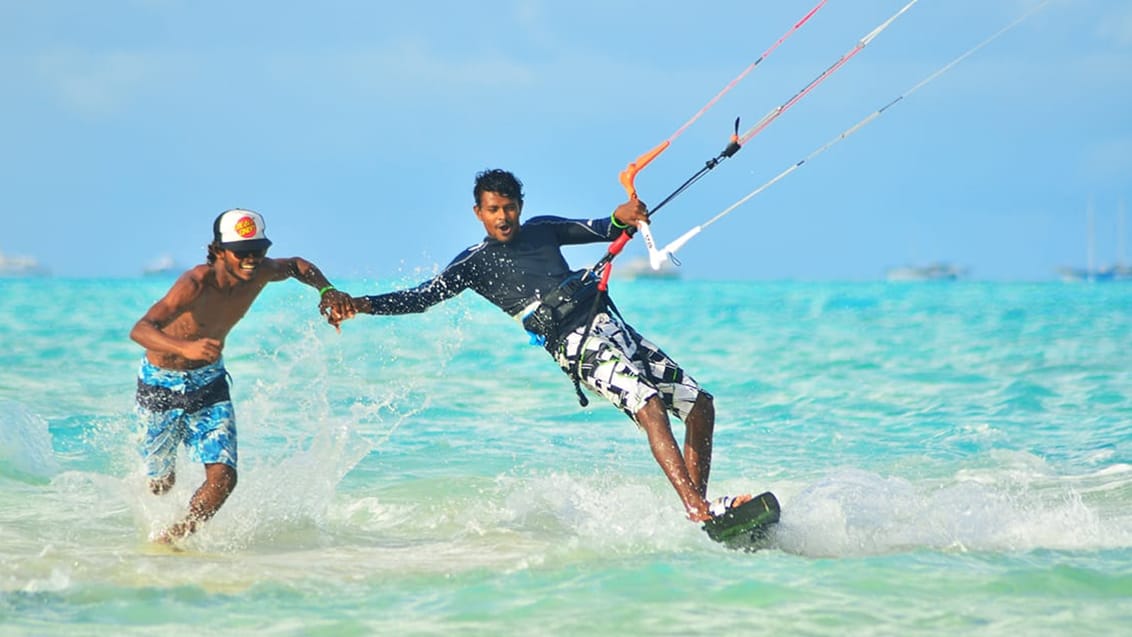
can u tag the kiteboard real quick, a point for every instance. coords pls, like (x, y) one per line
(746, 526)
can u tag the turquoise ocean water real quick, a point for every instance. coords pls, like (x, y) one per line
(951, 459)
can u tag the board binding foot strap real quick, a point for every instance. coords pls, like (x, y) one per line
(745, 526)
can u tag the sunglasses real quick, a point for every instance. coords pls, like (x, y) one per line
(249, 254)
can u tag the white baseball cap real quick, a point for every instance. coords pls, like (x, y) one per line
(240, 229)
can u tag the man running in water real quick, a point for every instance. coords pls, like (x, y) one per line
(520, 269)
(182, 395)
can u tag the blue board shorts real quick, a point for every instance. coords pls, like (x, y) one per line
(614, 361)
(190, 407)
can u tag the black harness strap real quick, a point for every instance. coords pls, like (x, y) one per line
(576, 369)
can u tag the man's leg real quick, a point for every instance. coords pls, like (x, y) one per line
(611, 367)
(219, 481)
(699, 427)
(653, 418)
(160, 434)
(212, 438)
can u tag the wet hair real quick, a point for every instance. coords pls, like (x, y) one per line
(214, 248)
(500, 182)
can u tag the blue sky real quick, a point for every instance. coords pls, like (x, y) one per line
(356, 129)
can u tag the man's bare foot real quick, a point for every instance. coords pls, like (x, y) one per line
(740, 500)
(725, 503)
(175, 533)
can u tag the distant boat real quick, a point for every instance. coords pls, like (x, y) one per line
(164, 265)
(1118, 271)
(640, 268)
(1111, 273)
(18, 266)
(931, 272)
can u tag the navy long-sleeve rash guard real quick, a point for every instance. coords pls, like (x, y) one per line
(511, 275)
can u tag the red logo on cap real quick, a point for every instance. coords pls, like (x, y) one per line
(245, 227)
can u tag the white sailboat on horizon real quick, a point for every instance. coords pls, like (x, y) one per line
(1119, 271)
(19, 266)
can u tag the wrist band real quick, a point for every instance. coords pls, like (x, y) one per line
(325, 290)
(616, 223)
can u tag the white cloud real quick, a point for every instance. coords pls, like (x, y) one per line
(1118, 28)
(1109, 160)
(96, 84)
(414, 61)
(408, 67)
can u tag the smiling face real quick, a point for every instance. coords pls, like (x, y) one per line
(499, 215)
(242, 264)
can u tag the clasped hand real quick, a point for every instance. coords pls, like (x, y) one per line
(337, 306)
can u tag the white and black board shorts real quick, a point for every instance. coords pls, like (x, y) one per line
(613, 365)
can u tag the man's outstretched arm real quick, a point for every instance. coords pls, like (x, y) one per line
(440, 288)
